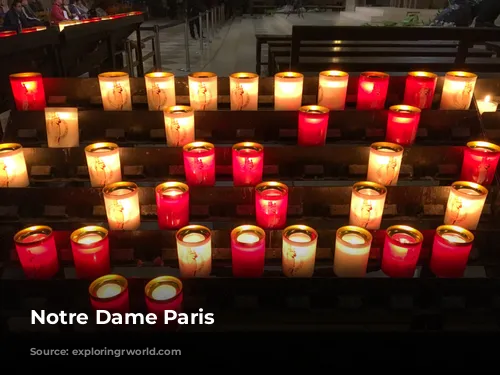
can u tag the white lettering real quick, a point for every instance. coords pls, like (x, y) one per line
(61, 317)
(105, 317)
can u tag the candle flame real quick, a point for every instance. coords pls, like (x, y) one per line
(487, 99)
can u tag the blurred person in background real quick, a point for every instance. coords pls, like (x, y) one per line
(75, 10)
(4, 8)
(67, 10)
(57, 13)
(14, 18)
(30, 15)
(488, 12)
(195, 8)
(36, 5)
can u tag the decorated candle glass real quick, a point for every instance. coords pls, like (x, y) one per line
(28, 91)
(179, 125)
(299, 251)
(7, 33)
(194, 250)
(103, 163)
(13, 170)
(288, 91)
(62, 127)
(372, 90)
(244, 89)
(486, 105)
(480, 162)
(36, 249)
(271, 205)
(203, 91)
(199, 163)
(248, 163)
(419, 89)
(313, 125)
(164, 293)
(367, 204)
(160, 88)
(465, 204)
(384, 163)
(401, 251)
(122, 205)
(402, 124)
(110, 293)
(115, 91)
(332, 89)
(352, 250)
(90, 247)
(458, 89)
(248, 251)
(172, 204)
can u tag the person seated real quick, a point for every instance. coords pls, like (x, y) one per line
(460, 13)
(76, 10)
(488, 12)
(69, 13)
(82, 6)
(58, 14)
(14, 18)
(36, 5)
(30, 15)
(4, 8)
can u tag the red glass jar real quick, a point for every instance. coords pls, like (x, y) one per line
(110, 293)
(90, 247)
(271, 205)
(402, 124)
(248, 251)
(480, 162)
(372, 90)
(313, 125)
(164, 293)
(419, 89)
(172, 204)
(401, 251)
(248, 163)
(199, 163)
(28, 91)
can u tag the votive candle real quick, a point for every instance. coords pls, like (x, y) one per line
(367, 204)
(28, 91)
(62, 127)
(480, 162)
(372, 90)
(465, 204)
(401, 251)
(288, 88)
(194, 250)
(332, 89)
(13, 170)
(90, 248)
(271, 205)
(458, 89)
(172, 204)
(199, 163)
(402, 124)
(299, 251)
(384, 163)
(164, 293)
(115, 91)
(179, 125)
(486, 105)
(110, 293)
(248, 251)
(122, 205)
(313, 125)
(248, 163)
(103, 163)
(160, 89)
(244, 91)
(203, 91)
(352, 251)
(419, 89)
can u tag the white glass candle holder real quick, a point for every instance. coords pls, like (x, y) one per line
(332, 89)
(458, 89)
(179, 125)
(160, 89)
(352, 251)
(115, 91)
(367, 205)
(299, 251)
(103, 163)
(62, 127)
(486, 105)
(244, 91)
(13, 170)
(122, 205)
(465, 204)
(384, 163)
(203, 91)
(288, 88)
(194, 250)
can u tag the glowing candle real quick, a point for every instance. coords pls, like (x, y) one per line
(367, 204)
(160, 88)
(63, 24)
(401, 251)
(248, 163)
(199, 163)
(172, 203)
(115, 91)
(62, 127)
(103, 162)
(458, 89)
(480, 162)
(271, 205)
(288, 88)
(244, 88)
(384, 163)
(486, 105)
(13, 170)
(110, 293)
(37, 252)
(372, 90)
(7, 33)
(352, 250)
(33, 29)
(90, 247)
(194, 250)
(402, 124)
(203, 91)
(419, 89)
(164, 293)
(313, 125)
(122, 205)
(248, 251)
(299, 251)
(332, 89)
(179, 125)
(465, 204)
(450, 251)
(28, 91)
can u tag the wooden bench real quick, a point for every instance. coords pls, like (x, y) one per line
(262, 39)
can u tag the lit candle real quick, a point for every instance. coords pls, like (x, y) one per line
(401, 251)
(90, 247)
(480, 162)
(288, 88)
(332, 89)
(244, 88)
(299, 251)
(110, 293)
(103, 162)
(384, 163)
(28, 91)
(33, 29)
(248, 251)
(13, 170)
(313, 125)
(172, 203)
(367, 205)
(179, 125)
(419, 89)
(458, 89)
(122, 206)
(36, 249)
(271, 205)
(62, 127)
(199, 163)
(465, 204)
(63, 24)
(115, 91)
(402, 124)
(164, 293)
(248, 163)
(352, 250)
(203, 91)
(194, 250)
(486, 105)
(7, 33)
(160, 88)
(372, 90)
(450, 251)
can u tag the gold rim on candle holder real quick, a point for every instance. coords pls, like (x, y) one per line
(292, 229)
(459, 74)
(463, 233)
(248, 146)
(480, 189)
(200, 229)
(202, 75)
(414, 233)
(25, 75)
(96, 148)
(404, 109)
(333, 73)
(107, 279)
(198, 146)
(90, 229)
(110, 189)
(363, 185)
(376, 75)
(258, 231)
(162, 280)
(9, 149)
(113, 75)
(35, 229)
(491, 147)
(286, 75)
(381, 147)
(422, 74)
(282, 188)
(178, 109)
(159, 75)
(244, 75)
(314, 109)
(171, 185)
(33, 29)
(352, 229)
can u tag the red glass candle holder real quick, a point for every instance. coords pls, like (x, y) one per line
(164, 293)
(450, 251)
(7, 33)
(172, 204)
(402, 124)
(248, 251)
(28, 91)
(271, 205)
(248, 163)
(313, 125)
(110, 293)
(90, 247)
(480, 162)
(419, 89)
(401, 251)
(372, 90)
(33, 29)
(36, 249)
(199, 163)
